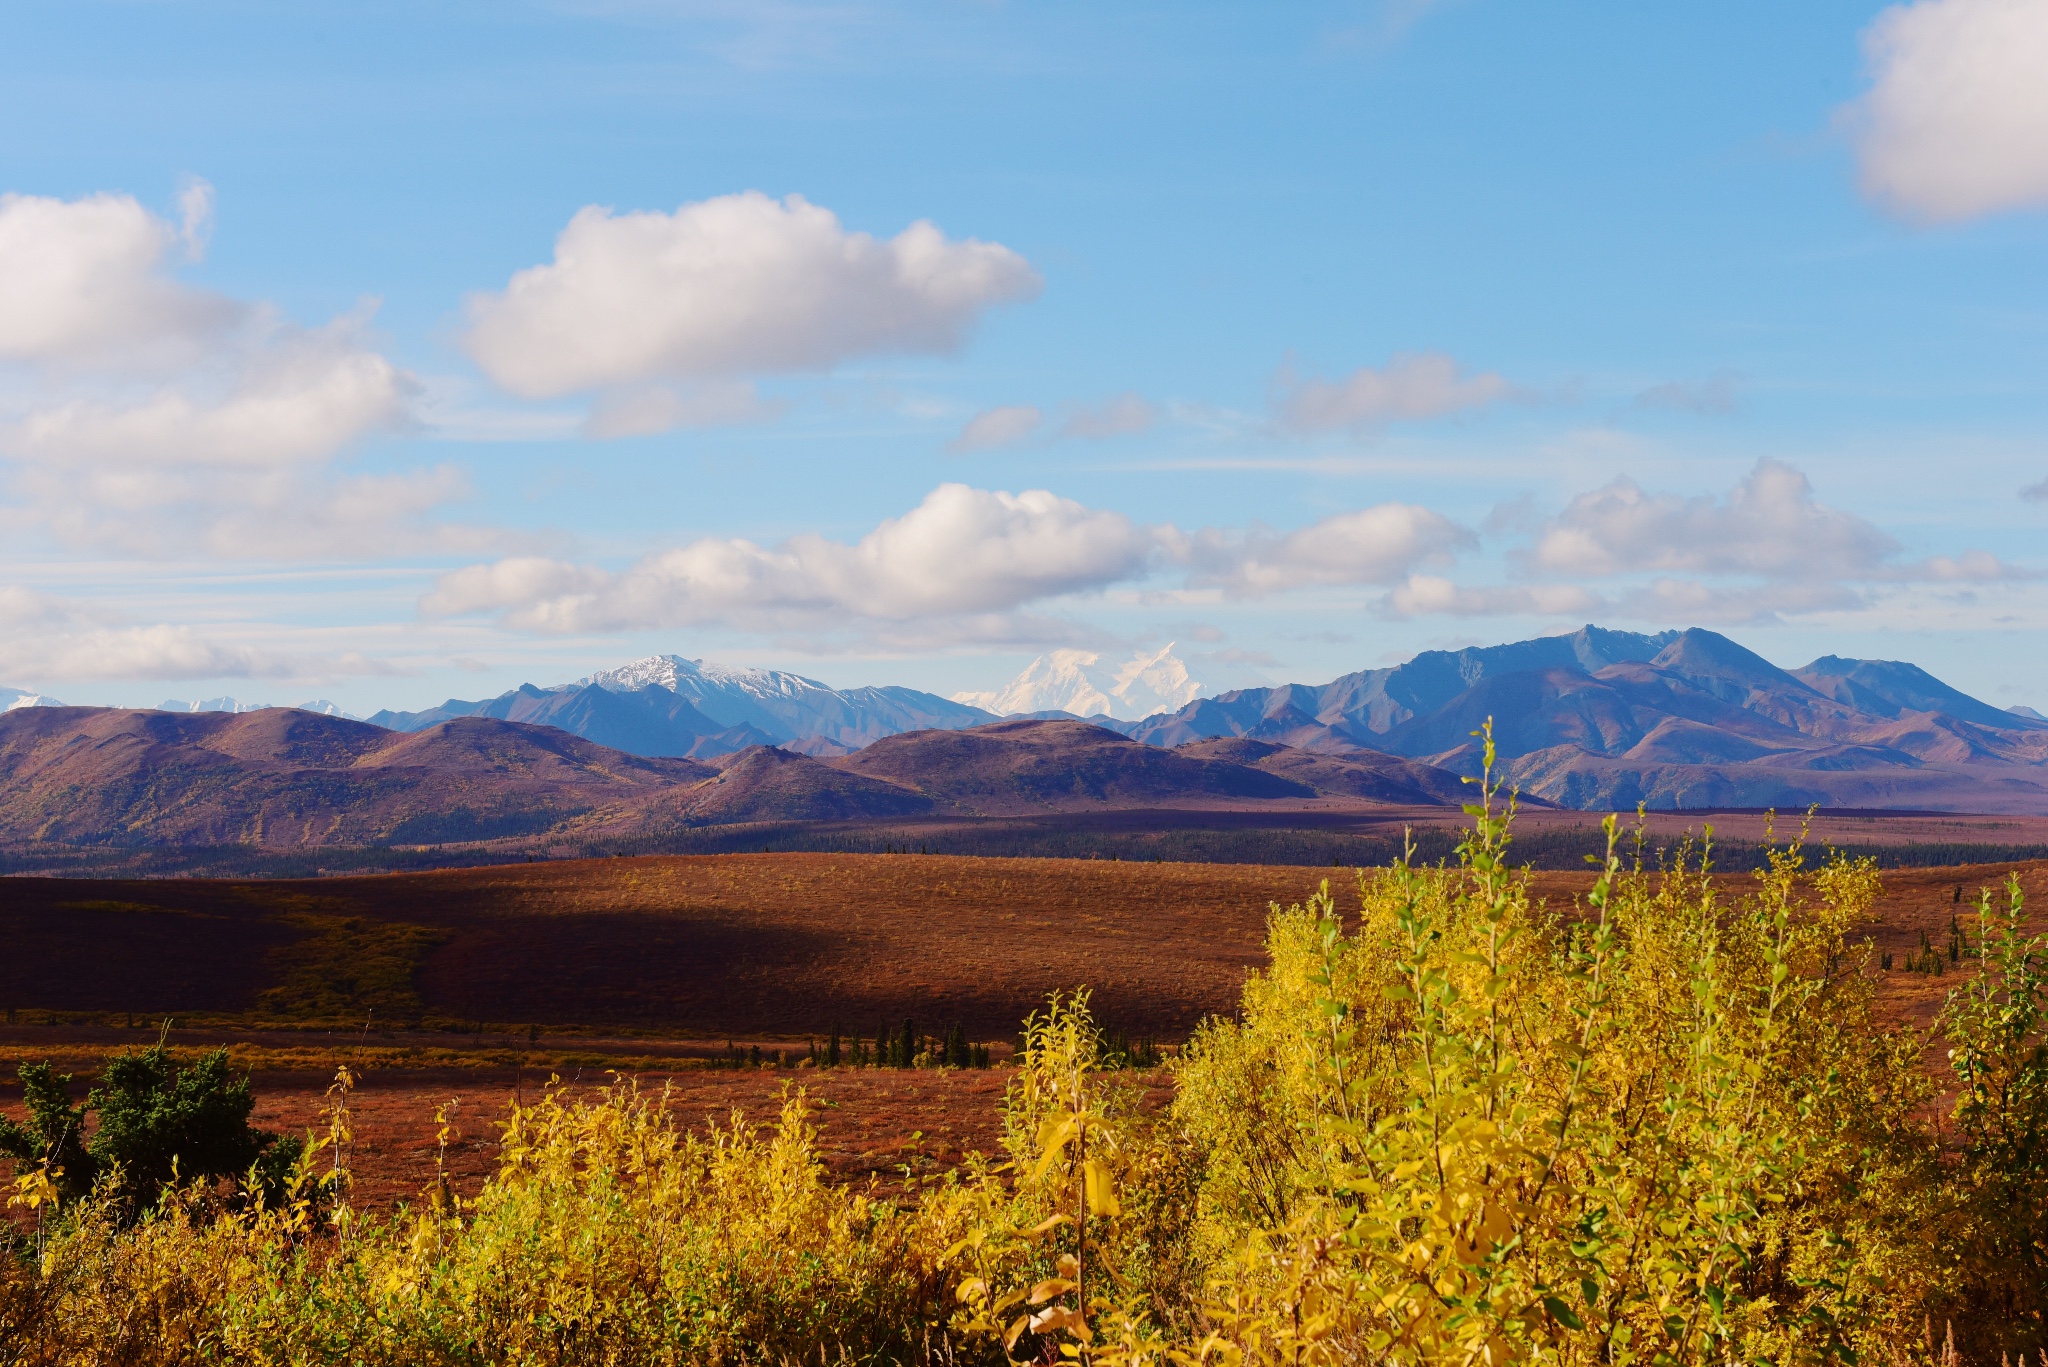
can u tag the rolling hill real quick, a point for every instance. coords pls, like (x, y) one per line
(281, 779)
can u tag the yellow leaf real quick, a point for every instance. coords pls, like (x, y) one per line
(1053, 1137)
(1101, 1189)
(1050, 1287)
(1062, 1317)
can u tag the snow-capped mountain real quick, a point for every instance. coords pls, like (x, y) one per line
(669, 705)
(1083, 683)
(212, 705)
(320, 705)
(789, 706)
(11, 698)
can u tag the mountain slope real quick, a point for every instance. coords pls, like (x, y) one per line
(763, 783)
(667, 705)
(1362, 774)
(1683, 718)
(790, 707)
(282, 778)
(1034, 766)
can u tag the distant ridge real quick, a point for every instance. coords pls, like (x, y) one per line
(669, 705)
(1679, 719)
(1593, 719)
(280, 779)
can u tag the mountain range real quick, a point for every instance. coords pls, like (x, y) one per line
(280, 779)
(666, 705)
(1596, 719)
(1080, 683)
(1679, 719)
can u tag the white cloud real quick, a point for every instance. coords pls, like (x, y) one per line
(995, 427)
(83, 281)
(170, 652)
(21, 607)
(729, 287)
(1768, 550)
(1769, 525)
(1377, 545)
(148, 418)
(1411, 387)
(1119, 416)
(52, 638)
(1693, 601)
(298, 403)
(1955, 124)
(1428, 595)
(516, 583)
(960, 552)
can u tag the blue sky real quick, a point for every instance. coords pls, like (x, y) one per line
(388, 353)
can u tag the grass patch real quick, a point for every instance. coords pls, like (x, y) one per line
(349, 968)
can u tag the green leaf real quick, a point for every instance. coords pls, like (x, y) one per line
(1562, 1313)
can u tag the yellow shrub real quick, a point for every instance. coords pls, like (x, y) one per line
(1660, 1125)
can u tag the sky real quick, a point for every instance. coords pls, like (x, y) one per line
(387, 353)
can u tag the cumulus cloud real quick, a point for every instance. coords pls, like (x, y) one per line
(731, 287)
(961, 552)
(296, 404)
(1954, 124)
(84, 282)
(995, 427)
(167, 652)
(1429, 595)
(1695, 602)
(54, 638)
(149, 418)
(1377, 545)
(1769, 525)
(1766, 550)
(1411, 387)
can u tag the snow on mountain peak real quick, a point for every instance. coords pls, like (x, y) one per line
(1078, 681)
(212, 705)
(320, 705)
(11, 698)
(674, 673)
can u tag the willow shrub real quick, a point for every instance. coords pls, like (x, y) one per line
(1660, 1125)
